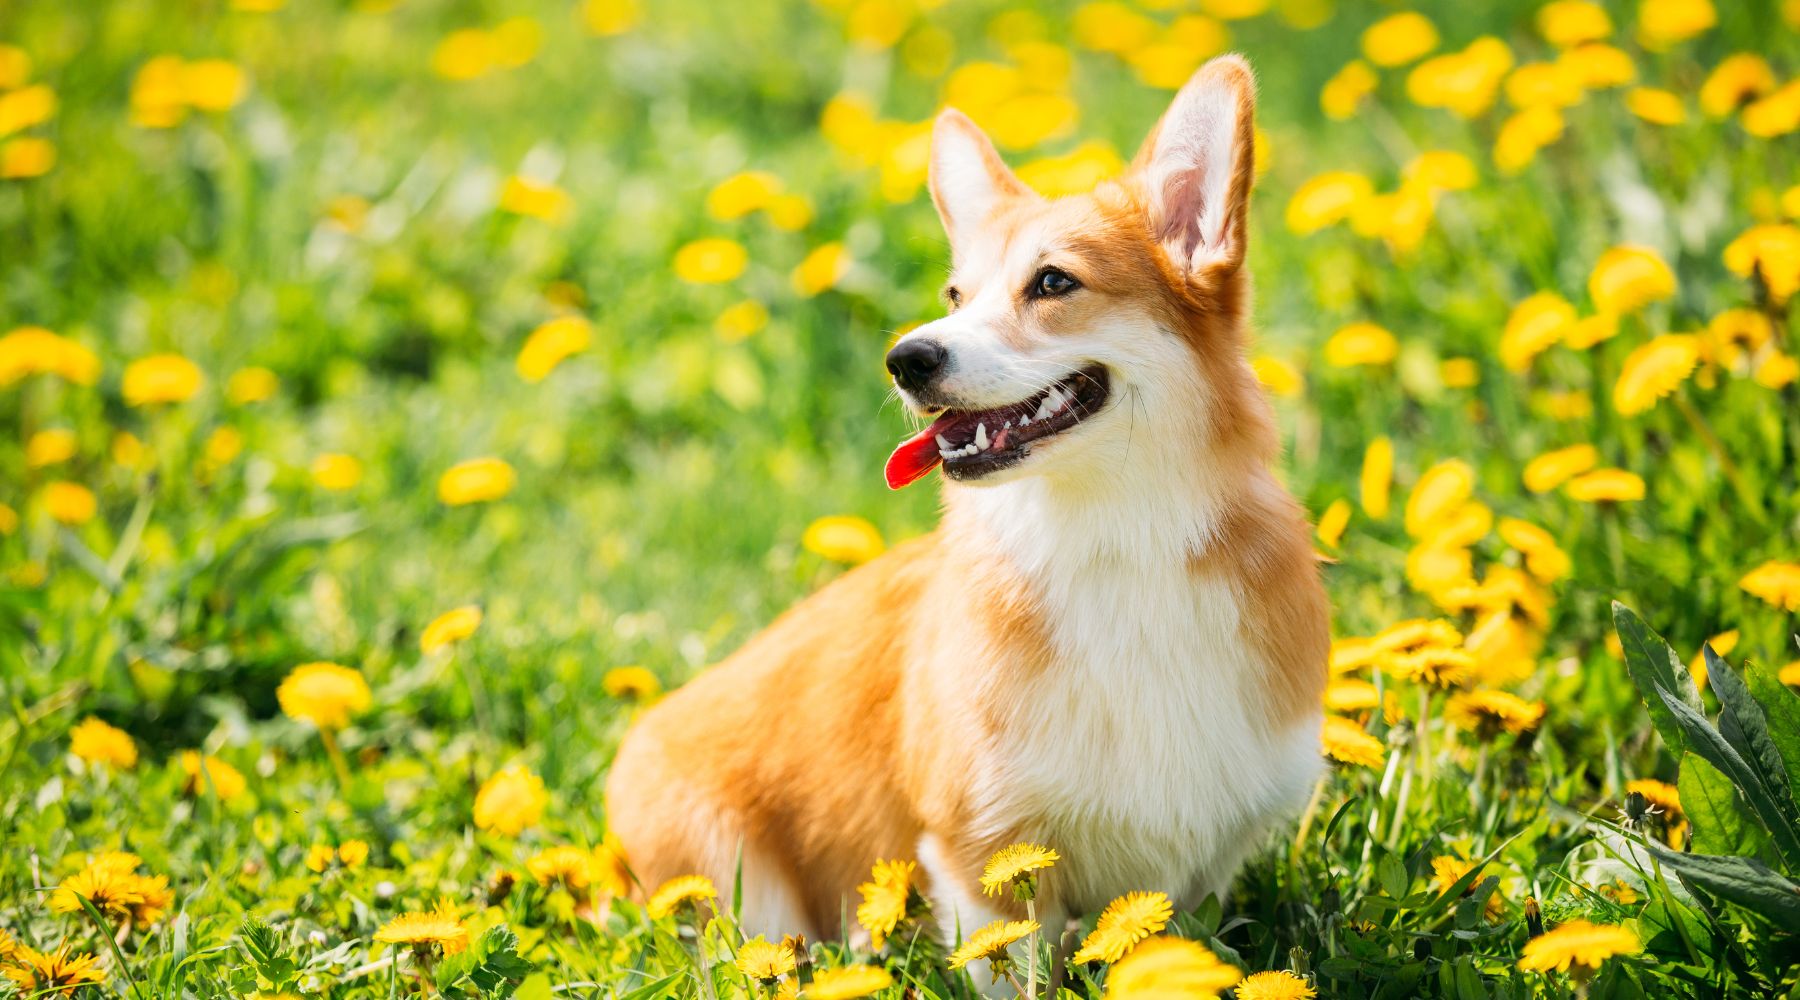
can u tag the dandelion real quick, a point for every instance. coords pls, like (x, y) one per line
(1488, 712)
(1277, 376)
(320, 857)
(1776, 583)
(510, 801)
(990, 942)
(1168, 967)
(212, 84)
(324, 694)
(843, 538)
(1605, 486)
(1280, 985)
(1360, 344)
(1016, 866)
(1377, 478)
(822, 269)
(884, 899)
(536, 199)
(476, 480)
(1790, 674)
(1653, 371)
(678, 893)
(1345, 91)
(564, 865)
(38, 973)
(451, 627)
(69, 503)
(109, 886)
(1443, 489)
(33, 350)
(1350, 695)
(1465, 82)
(1399, 39)
(220, 778)
(551, 344)
(847, 983)
(98, 743)
(161, 378)
(353, 853)
(26, 157)
(1544, 84)
(1436, 666)
(1333, 522)
(1535, 324)
(1770, 252)
(1524, 134)
(1344, 741)
(710, 261)
(1543, 557)
(765, 962)
(1448, 870)
(1776, 371)
(1775, 115)
(1664, 23)
(1553, 468)
(1327, 199)
(631, 683)
(336, 472)
(1351, 654)
(1736, 81)
(1627, 278)
(1440, 170)
(741, 194)
(740, 321)
(1656, 106)
(1125, 921)
(1579, 944)
(1596, 66)
(436, 931)
(25, 107)
(607, 18)
(608, 868)
(1567, 23)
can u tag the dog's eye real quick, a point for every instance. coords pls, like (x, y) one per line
(1051, 282)
(953, 296)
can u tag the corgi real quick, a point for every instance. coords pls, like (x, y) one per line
(1114, 644)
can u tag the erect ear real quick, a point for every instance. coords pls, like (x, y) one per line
(1198, 165)
(968, 178)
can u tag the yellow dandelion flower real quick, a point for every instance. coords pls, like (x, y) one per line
(760, 960)
(683, 890)
(320, 857)
(1660, 794)
(1277, 376)
(98, 743)
(1329, 198)
(843, 538)
(1543, 557)
(1466, 82)
(822, 269)
(1553, 468)
(1333, 522)
(1343, 740)
(991, 942)
(1350, 694)
(1776, 371)
(1596, 65)
(510, 801)
(1735, 82)
(1775, 115)
(1544, 84)
(1790, 674)
(1016, 865)
(1437, 667)
(1722, 645)
(1627, 278)
(1344, 92)
(1663, 23)
(111, 888)
(607, 18)
(1377, 478)
(847, 983)
(1770, 252)
(324, 694)
(476, 480)
(70, 503)
(1074, 172)
(1567, 23)
(1653, 371)
(1281, 985)
(536, 199)
(251, 385)
(1360, 344)
(1605, 486)
(1485, 710)
(884, 899)
(353, 853)
(1777, 583)
(213, 84)
(1523, 134)
(1535, 324)
(1125, 921)
(1577, 943)
(437, 928)
(740, 194)
(1656, 106)
(608, 868)
(1460, 373)
(33, 350)
(336, 472)
(1168, 967)
(1415, 634)
(220, 778)
(38, 973)
(161, 378)
(1398, 39)
(1440, 492)
(710, 261)
(25, 157)
(564, 865)
(631, 683)
(741, 321)
(451, 627)
(1440, 170)
(551, 344)
(15, 69)
(1351, 654)
(21, 109)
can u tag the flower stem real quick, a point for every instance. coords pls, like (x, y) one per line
(1031, 956)
(338, 764)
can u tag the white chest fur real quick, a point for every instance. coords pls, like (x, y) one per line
(1143, 751)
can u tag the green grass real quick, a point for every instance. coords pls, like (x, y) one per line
(665, 475)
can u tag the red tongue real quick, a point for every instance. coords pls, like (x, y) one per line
(915, 457)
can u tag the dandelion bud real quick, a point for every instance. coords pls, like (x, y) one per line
(1534, 918)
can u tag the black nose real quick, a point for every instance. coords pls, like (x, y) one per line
(916, 362)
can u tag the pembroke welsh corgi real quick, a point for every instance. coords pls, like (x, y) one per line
(1115, 644)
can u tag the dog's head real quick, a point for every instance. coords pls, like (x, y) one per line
(1079, 323)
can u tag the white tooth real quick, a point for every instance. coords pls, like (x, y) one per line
(943, 443)
(1057, 397)
(1045, 409)
(981, 438)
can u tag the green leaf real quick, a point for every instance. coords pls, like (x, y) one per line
(1706, 741)
(1744, 726)
(1781, 705)
(1744, 881)
(1391, 873)
(1721, 823)
(1652, 663)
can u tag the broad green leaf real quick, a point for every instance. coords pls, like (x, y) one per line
(1706, 741)
(1652, 663)
(1391, 873)
(1744, 726)
(1721, 823)
(1744, 881)
(1781, 705)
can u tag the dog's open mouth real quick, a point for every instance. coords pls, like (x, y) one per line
(972, 443)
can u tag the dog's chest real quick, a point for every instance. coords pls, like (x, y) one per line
(1141, 750)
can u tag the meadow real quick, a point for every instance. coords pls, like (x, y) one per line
(398, 395)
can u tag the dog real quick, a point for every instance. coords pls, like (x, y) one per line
(1114, 644)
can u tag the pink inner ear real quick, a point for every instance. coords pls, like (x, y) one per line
(1192, 170)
